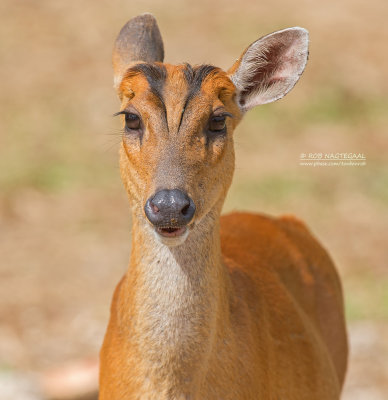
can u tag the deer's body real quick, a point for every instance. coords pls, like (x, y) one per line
(242, 307)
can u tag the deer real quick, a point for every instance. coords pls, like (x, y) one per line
(240, 306)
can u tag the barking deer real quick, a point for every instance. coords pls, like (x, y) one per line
(243, 306)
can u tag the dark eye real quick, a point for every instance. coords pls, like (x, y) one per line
(132, 122)
(217, 123)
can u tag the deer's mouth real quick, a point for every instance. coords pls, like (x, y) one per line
(171, 232)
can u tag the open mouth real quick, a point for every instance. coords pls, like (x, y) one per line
(171, 232)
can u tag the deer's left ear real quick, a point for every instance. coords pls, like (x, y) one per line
(270, 67)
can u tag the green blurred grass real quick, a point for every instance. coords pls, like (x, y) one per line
(366, 297)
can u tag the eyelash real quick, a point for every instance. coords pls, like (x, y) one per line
(131, 118)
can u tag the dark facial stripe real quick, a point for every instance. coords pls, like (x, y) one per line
(156, 75)
(195, 77)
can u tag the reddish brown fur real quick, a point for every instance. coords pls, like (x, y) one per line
(248, 307)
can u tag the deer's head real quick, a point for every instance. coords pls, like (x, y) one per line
(177, 156)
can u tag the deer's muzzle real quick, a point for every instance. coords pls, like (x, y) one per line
(170, 211)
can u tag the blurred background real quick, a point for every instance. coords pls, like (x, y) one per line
(64, 216)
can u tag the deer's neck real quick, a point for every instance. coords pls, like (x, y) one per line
(178, 304)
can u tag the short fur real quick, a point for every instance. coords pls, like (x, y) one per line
(246, 306)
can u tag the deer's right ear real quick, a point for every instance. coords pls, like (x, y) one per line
(138, 41)
(270, 67)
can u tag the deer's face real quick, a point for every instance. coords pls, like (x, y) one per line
(177, 156)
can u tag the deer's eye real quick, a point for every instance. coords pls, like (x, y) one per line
(217, 123)
(132, 122)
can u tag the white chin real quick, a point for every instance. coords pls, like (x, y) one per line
(172, 241)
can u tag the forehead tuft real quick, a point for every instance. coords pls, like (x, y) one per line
(195, 76)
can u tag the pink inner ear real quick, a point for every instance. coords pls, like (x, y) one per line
(267, 62)
(271, 67)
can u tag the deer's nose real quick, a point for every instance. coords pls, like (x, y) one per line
(170, 209)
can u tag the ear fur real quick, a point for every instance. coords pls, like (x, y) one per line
(270, 67)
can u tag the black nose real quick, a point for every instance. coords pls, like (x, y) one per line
(170, 208)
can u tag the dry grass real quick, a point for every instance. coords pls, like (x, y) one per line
(64, 217)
